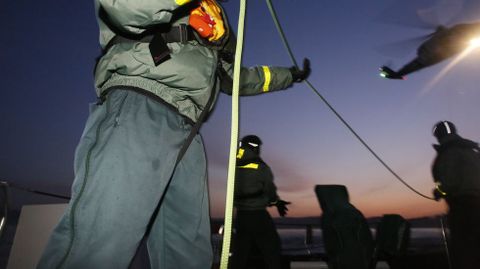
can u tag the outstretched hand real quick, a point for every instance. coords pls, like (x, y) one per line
(282, 207)
(300, 75)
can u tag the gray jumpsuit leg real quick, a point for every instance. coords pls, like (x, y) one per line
(123, 163)
(180, 236)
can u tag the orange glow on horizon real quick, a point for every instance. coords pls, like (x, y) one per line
(416, 208)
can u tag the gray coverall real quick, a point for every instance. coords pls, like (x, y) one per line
(126, 156)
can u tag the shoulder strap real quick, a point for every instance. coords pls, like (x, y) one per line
(198, 124)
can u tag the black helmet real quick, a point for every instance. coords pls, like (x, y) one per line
(252, 141)
(443, 128)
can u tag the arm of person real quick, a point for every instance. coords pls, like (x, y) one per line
(135, 16)
(269, 187)
(446, 173)
(274, 200)
(257, 79)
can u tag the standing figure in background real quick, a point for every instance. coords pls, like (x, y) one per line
(254, 192)
(346, 235)
(456, 172)
(140, 166)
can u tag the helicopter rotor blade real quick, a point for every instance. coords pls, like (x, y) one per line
(401, 48)
(442, 13)
(470, 11)
(404, 13)
(421, 14)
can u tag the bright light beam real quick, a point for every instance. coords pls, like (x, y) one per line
(474, 43)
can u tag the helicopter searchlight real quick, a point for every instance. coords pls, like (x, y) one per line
(440, 45)
(475, 43)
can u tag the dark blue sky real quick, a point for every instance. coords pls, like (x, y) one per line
(46, 58)
(47, 53)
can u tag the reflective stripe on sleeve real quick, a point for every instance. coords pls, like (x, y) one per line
(268, 78)
(250, 166)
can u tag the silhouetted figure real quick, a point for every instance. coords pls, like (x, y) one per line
(392, 238)
(254, 192)
(456, 171)
(347, 237)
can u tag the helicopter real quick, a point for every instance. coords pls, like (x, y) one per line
(443, 43)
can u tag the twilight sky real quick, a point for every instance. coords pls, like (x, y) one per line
(47, 55)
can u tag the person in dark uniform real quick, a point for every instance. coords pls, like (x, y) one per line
(456, 171)
(254, 192)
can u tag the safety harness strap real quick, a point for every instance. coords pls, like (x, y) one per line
(181, 33)
(157, 41)
(197, 125)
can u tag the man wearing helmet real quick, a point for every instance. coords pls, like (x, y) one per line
(456, 172)
(254, 192)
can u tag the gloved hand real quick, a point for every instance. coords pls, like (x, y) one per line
(437, 195)
(282, 207)
(300, 75)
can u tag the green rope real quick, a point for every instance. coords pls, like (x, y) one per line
(227, 231)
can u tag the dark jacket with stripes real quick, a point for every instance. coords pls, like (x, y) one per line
(254, 187)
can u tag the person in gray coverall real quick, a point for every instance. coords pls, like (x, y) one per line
(254, 192)
(456, 172)
(156, 80)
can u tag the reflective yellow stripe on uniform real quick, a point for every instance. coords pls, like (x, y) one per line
(268, 78)
(250, 166)
(240, 153)
(182, 2)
